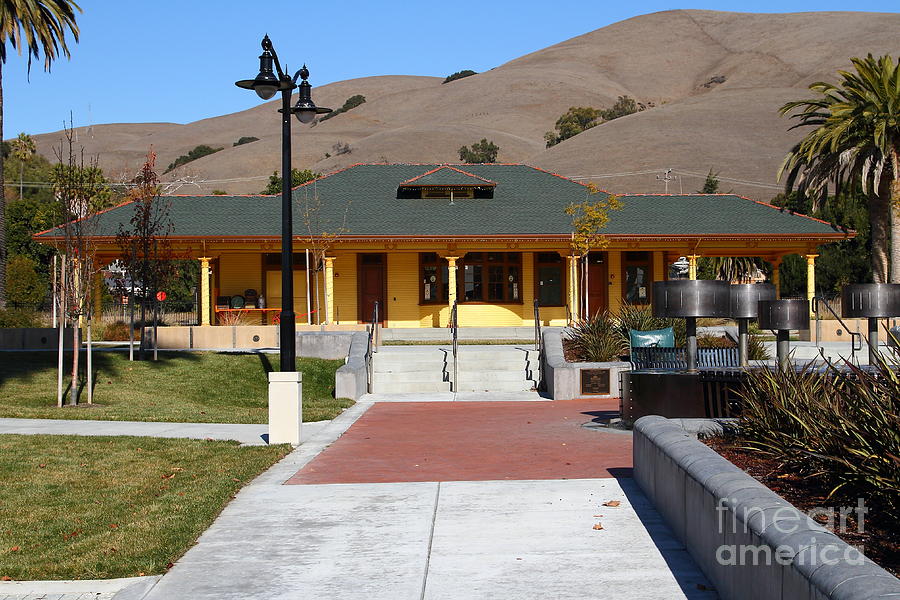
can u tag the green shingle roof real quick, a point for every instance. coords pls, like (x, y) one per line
(362, 201)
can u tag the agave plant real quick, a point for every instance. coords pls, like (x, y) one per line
(640, 317)
(597, 339)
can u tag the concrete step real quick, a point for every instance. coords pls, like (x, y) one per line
(411, 377)
(499, 386)
(407, 387)
(392, 367)
(489, 376)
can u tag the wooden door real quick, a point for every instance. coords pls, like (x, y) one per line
(372, 286)
(598, 283)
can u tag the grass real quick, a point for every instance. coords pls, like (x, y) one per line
(190, 387)
(102, 507)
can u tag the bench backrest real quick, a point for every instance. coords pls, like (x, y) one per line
(656, 338)
(675, 359)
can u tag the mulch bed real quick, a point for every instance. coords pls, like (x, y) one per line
(880, 540)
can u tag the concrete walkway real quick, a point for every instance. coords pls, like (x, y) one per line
(434, 539)
(247, 435)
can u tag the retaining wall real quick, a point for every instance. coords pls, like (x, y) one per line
(562, 379)
(730, 523)
(351, 380)
(33, 338)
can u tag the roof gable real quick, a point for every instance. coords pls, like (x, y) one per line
(447, 176)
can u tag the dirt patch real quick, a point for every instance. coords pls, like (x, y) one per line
(880, 538)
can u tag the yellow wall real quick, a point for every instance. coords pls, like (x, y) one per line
(346, 309)
(273, 287)
(616, 278)
(239, 272)
(403, 291)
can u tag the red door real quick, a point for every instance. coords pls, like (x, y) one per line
(598, 283)
(372, 284)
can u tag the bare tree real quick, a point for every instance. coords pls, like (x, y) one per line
(79, 188)
(146, 252)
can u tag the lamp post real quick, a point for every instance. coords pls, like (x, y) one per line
(266, 85)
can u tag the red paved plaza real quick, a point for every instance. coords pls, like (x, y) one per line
(473, 441)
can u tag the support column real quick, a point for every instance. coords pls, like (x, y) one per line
(573, 287)
(692, 266)
(776, 277)
(204, 298)
(329, 290)
(810, 279)
(451, 280)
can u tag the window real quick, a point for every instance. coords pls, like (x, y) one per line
(491, 277)
(434, 288)
(549, 276)
(637, 268)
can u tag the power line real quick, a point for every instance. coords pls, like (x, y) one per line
(760, 184)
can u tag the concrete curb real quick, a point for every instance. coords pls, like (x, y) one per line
(351, 380)
(730, 523)
(79, 586)
(562, 379)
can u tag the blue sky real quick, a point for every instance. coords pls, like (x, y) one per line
(177, 61)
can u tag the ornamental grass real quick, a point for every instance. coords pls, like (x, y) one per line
(840, 427)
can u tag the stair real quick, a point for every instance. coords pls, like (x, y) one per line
(425, 369)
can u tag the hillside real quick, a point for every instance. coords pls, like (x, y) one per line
(671, 59)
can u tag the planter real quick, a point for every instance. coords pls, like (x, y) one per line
(566, 381)
(750, 542)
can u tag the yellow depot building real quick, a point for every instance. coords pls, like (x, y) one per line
(417, 237)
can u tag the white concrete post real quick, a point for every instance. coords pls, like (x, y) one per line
(285, 407)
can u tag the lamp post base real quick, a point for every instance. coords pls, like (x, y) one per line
(285, 407)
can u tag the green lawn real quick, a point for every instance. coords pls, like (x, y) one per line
(101, 507)
(190, 387)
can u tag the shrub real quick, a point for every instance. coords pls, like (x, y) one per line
(351, 103)
(840, 426)
(25, 286)
(459, 75)
(596, 339)
(117, 332)
(581, 118)
(198, 152)
(481, 152)
(18, 317)
(219, 192)
(341, 148)
(245, 140)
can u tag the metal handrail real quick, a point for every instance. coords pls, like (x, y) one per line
(372, 348)
(454, 331)
(537, 325)
(854, 335)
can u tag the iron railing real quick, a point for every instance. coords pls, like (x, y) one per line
(372, 348)
(454, 333)
(817, 303)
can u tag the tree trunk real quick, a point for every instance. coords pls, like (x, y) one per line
(90, 365)
(895, 216)
(21, 177)
(880, 230)
(2, 207)
(76, 353)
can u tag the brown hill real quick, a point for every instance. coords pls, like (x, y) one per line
(716, 80)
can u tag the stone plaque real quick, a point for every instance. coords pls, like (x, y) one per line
(594, 381)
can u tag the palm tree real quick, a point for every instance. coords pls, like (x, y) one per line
(37, 27)
(856, 141)
(23, 148)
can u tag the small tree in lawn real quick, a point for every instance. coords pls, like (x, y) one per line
(321, 233)
(144, 243)
(79, 189)
(589, 217)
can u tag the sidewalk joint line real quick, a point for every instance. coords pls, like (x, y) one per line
(437, 498)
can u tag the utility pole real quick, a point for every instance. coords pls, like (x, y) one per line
(667, 176)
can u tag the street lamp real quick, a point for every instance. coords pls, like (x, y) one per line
(266, 85)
